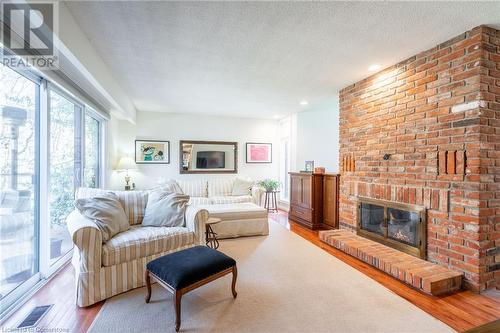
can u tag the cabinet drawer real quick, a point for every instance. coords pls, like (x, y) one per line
(302, 213)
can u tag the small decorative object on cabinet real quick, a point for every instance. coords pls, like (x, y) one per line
(320, 170)
(331, 184)
(309, 166)
(306, 199)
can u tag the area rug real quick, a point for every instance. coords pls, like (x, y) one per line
(285, 284)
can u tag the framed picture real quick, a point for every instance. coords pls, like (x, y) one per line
(152, 152)
(259, 152)
(309, 166)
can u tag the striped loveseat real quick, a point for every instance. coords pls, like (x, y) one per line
(107, 269)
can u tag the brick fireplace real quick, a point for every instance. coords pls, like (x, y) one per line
(426, 132)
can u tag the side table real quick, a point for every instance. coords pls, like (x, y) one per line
(270, 202)
(210, 235)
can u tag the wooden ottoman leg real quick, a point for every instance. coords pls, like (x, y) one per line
(233, 285)
(148, 285)
(178, 296)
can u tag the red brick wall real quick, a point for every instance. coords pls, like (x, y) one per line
(437, 114)
(490, 161)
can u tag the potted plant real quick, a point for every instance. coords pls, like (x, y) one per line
(270, 185)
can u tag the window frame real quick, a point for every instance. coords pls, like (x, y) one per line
(89, 111)
(48, 267)
(17, 296)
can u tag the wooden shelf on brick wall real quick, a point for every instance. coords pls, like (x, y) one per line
(451, 162)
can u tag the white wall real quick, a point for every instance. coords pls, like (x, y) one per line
(317, 137)
(175, 127)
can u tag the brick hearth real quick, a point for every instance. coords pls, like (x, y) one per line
(436, 117)
(424, 275)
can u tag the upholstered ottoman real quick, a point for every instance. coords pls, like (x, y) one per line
(185, 270)
(238, 219)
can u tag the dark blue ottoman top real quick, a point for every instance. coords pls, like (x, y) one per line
(183, 268)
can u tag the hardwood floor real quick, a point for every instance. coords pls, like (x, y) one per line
(64, 316)
(461, 311)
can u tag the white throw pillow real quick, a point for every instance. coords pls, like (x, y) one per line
(171, 186)
(242, 187)
(165, 209)
(107, 213)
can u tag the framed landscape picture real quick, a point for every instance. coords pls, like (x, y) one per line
(259, 152)
(152, 152)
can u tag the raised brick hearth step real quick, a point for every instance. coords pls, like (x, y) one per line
(424, 275)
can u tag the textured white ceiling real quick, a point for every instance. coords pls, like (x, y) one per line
(260, 59)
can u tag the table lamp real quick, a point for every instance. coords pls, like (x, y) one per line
(125, 164)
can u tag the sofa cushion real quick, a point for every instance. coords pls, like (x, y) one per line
(106, 212)
(194, 187)
(165, 209)
(139, 242)
(196, 201)
(230, 199)
(242, 187)
(170, 186)
(220, 186)
(238, 211)
(133, 202)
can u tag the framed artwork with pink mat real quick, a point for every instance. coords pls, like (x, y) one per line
(259, 152)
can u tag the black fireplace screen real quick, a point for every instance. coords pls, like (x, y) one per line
(402, 226)
(393, 224)
(372, 218)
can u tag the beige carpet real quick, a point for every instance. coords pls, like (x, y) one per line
(285, 284)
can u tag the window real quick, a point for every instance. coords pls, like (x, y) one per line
(92, 150)
(64, 169)
(285, 159)
(19, 107)
(43, 159)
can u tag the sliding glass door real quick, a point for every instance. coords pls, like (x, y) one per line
(64, 168)
(43, 159)
(19, 232)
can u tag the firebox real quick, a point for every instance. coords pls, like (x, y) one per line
(397, 225)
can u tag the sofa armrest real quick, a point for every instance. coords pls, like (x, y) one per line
(257, 193)
(88, 241)
(195, 221)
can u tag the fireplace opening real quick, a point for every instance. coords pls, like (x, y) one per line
(397, 225)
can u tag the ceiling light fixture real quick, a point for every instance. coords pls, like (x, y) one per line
(374, 67)
(304, 102)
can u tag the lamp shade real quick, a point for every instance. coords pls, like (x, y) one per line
(126, 163)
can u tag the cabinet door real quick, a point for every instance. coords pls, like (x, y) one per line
(330, 201)
(307, 190)
(295, 190)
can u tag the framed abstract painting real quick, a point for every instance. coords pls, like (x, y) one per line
(152, 152)
(259, 152)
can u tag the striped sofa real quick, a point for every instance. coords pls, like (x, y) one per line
(105, 270)
(217, 191)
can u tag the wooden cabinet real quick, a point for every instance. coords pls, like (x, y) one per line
(314, 200)
(331, 200)
(306, 199)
